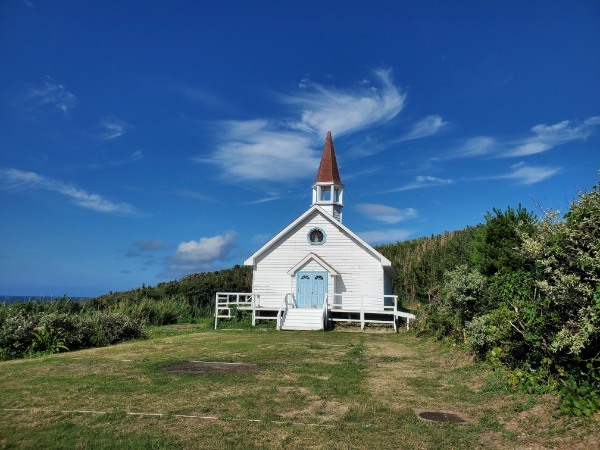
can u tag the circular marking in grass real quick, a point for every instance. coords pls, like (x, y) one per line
(440, 416)
(201, 368)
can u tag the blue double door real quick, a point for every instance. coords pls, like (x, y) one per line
(311, 288)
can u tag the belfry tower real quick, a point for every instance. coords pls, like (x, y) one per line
(328, 190)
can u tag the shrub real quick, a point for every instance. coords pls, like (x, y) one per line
(111, 328)
(25, 329)
(17, 334)
(581, 396)
(531, 381)
(47, 340)
(77, 330)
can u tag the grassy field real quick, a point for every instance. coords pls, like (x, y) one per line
(334, 390)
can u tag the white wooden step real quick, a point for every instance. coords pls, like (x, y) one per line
(303, 319)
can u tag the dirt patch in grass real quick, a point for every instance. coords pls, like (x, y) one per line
(320, 410)
(440, 416)
(309, 406)
(201, 368)
(562, 431)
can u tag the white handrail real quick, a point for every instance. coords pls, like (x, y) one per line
(325, 301)
(280, 311)
(293, 297)
(395, 302)
(333, 305)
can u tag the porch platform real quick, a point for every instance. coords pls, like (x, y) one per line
(368, 309)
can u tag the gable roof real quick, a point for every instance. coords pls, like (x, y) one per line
(316, 208)
(313, 257)
(328, 169)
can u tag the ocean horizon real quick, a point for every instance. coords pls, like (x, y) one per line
(36, 298)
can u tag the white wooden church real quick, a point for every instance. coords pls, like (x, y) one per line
(316, 270)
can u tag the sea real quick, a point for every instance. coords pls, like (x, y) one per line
(8, 299)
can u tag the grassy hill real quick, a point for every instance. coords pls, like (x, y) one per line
(334, 390)
(197, 289)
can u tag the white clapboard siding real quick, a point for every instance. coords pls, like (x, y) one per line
(360, 268)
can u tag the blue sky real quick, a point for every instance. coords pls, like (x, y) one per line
(142, 141)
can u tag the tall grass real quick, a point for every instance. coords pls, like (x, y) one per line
(56, 325)
(163, 311)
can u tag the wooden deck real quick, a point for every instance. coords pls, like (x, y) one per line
(335, 308)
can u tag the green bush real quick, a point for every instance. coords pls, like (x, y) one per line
(78, 331)
(111, 328)
(534, 306)
(47, 340)
(531, 381)
(581, 395)
(30, 328)
(17, 333)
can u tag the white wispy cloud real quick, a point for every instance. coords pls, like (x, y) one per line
(14, 179)
(325, 108)
(192, 256)
(428, 126)
(275, 150)
(263, 200)
(546, 137)
(367, 171)
(138, 155)
(113, 129)
(385, 214)
(382, 236)
(424, 181)
(475, 146)
(257, 150)
(524, 174)
(53, 94)
(201, 95)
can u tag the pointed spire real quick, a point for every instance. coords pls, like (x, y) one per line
(328, 169)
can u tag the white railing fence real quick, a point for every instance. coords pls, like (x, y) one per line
(224, 301)
(371, 308)
(407, 316)
(363, 302)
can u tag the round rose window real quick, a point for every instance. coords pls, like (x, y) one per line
(316, 236)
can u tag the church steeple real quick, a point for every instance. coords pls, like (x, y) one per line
(328, 190)
(328, 169)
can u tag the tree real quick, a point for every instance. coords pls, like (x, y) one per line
(567, 253)
(498, 242)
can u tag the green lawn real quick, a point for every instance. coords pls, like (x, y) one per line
(335, 390)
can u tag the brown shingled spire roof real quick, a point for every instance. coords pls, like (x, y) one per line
(328, 169)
